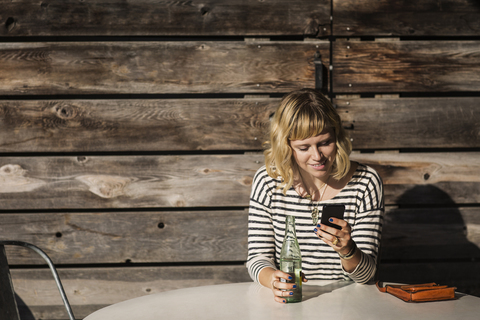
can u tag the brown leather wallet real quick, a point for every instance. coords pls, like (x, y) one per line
(419, 292)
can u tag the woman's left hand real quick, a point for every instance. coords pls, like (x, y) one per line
(340, 240)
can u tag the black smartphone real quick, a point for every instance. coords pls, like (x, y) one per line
(332, 210)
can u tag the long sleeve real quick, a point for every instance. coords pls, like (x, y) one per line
(367, 229)
(261, 240)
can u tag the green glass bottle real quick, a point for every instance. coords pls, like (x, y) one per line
(291, 259)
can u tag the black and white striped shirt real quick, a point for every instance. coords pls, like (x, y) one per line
(364, 211)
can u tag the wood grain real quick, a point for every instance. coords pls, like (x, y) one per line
(165, 18)
(126, 181)
(406, 18)
(395, 123)
(427, 233)
(427, 178)
(225, 124)
(90, 289)
(158, 67)
(422, 234)
(56, 182)
(128, 237)
(406, 66)
(134, 125)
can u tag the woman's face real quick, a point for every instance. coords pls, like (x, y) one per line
(315, 156)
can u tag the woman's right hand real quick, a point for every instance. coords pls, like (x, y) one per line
(281, 289)
(271, 278)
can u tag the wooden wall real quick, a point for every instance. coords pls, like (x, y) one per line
(130, 132)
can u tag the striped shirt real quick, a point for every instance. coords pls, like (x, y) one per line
(364, 211)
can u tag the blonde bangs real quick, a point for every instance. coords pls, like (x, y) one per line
(306, 124)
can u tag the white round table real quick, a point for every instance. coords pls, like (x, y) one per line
(337, 300)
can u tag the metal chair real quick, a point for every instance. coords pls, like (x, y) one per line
(8, 305)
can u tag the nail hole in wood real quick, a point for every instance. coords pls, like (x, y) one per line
(10, 23)
(204, 10)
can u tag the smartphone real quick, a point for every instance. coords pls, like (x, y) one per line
(332, 210)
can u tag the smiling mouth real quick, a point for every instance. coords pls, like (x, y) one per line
(319, 164)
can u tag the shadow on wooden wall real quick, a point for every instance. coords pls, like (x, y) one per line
(431, 244)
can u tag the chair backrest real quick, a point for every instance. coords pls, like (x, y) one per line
(8, 304)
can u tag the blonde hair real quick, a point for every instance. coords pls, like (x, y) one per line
(303, 114)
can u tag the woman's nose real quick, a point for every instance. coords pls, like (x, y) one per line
(316, 154)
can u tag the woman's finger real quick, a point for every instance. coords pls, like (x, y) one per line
(280, 285)
(280, 299)
(344, 232)
(323, 231)
(341, 223)
(282, 293)
(337, 239)
(279, 293)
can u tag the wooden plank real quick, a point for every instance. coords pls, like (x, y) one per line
(134, 125)
(406, 18)
(126, 181)
(397, 123)
(406, 66)
(58, 182)
(462, 275)
(158, 67)
(225, 124)
(427, 178)
(165, 18)
(168, 237)
(419, 234)
(90, 289)
(128, 237)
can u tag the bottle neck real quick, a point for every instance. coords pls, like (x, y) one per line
(290, 228)
(290, 247)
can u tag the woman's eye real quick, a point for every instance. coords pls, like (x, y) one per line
(326, 143)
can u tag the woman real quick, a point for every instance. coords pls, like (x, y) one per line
(307, 165)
